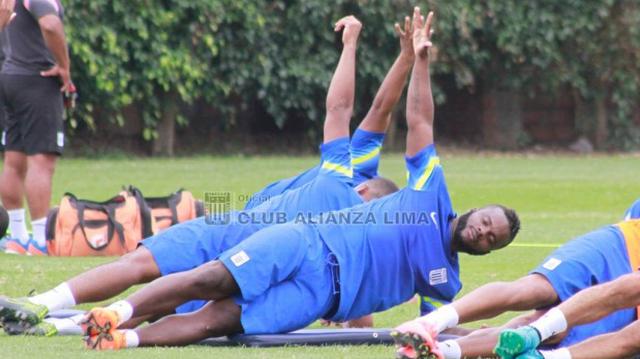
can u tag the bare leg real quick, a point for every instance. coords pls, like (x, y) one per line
(595, 303)
(113, 278)
(622, 344)
(12, 179)
(481, 342)
(215, 319)
(210, 281)
(493, 299)
(362, 322)
(136, 321)
(37, 183)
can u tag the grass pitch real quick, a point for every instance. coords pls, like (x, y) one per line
(558, 197)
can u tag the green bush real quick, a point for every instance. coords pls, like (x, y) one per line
(278, 56)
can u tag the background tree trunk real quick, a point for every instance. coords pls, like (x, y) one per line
(501, 119)
(602, 129)
(164, 144)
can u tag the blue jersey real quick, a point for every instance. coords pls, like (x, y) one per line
(365, 149)
(633, 211)
(365, 155)
(202, 240)
(597, 257)
(396, 246)
(279, 187)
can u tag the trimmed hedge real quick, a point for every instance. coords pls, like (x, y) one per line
(279, 55)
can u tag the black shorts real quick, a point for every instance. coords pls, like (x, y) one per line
(34, 114)
(2, 124)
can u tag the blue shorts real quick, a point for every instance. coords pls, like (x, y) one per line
(285, 278)
(190, 244)
(597, 257)
(183, 247)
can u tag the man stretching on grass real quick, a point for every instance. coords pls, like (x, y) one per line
(587, 306)
(289, 275)
(190, 244)
(597, 257)
(368, 138)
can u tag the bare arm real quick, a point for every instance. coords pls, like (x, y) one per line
(419, 98)
(340, 97)
(55, 39)
(6, 12)
(490, 300)
(379, 115)
(594, 303)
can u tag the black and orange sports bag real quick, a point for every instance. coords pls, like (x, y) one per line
(175, 208)
(80, 227)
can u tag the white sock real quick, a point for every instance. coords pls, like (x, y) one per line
(17, 225)
(67, 326)
(562, 353)
(550, 324)
(124, 310)
(132, 338)
(450, 349)
(57, 298)
(38, 227)
(443, 318)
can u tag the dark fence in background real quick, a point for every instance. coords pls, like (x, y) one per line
(156, 75)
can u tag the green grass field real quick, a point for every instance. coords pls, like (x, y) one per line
(557, 197)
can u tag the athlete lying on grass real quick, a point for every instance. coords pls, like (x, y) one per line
(596, 257)
(286, 276)
(585, 307)
(188, 245)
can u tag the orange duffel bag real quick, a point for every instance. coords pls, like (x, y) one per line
(86, 228)
(175, 208)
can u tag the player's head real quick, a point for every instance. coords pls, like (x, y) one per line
(482, 230)
(4, 221)
(375, 188)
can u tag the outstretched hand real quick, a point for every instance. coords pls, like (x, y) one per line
(6, 12)
(351, 26)
(422, 33)
(406, 38)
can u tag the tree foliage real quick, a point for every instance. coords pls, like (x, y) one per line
(279, 55)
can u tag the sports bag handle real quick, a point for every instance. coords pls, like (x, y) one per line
(145, 211)
(173, 201)
(107, 208)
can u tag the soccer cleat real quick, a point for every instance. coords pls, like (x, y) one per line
(531, 354)
(15, 246)
(514, 342)
(21, 310)
(3, 242)
(42, 329)
(99, 321)
(106, 341)
(415, 341)
(35, 250)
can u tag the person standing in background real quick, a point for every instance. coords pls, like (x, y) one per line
(35, 75)
(6, 15)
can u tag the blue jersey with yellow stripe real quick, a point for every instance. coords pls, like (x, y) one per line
(393, 247)
(596, 257)
(633, 211)
(365, 153)
(200, 241)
